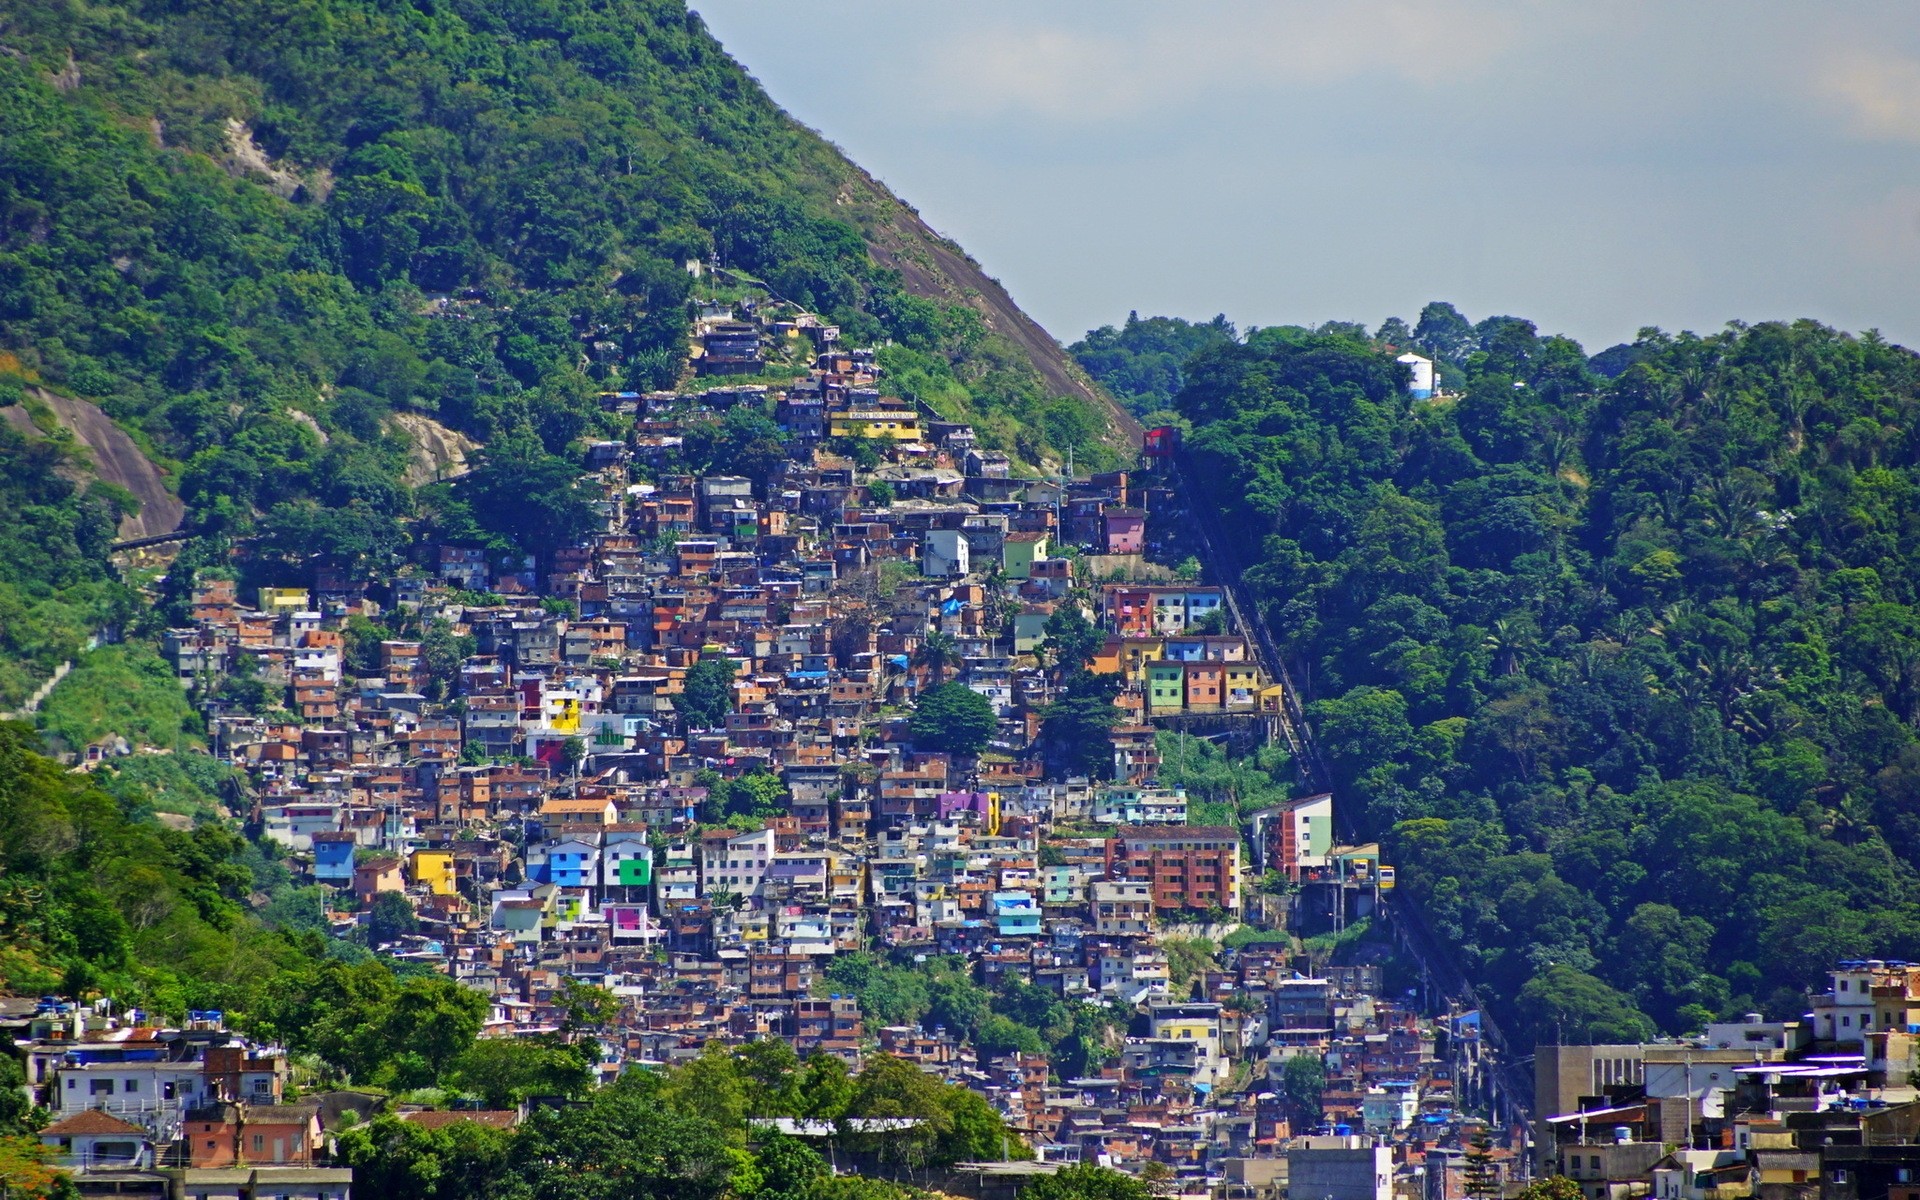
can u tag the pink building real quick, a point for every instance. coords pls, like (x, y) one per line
(1126, 531)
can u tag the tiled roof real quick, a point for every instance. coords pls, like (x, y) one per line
(498, 1118)
(92, 1121)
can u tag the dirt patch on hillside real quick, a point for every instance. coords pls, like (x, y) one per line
(434, 452)
(933, 267)
(116, 458)
(244, 156)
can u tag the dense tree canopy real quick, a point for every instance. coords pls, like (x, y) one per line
(1620, 664)
(234, 224)
(954, 718)
(1141, 362)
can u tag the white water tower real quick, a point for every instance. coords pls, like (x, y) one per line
(1420, 387)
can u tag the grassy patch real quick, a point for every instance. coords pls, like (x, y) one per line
(126, 690)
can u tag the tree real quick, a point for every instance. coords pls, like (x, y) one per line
(712, 1086)
(1075, 729)
(27, 1172)
(937, 652)
(893, 1087)
(1003, 1035)
(1072, 638)
(1480, 1181)
(408, 1161)
(1443, 332)
(1553, 1187)
(956, 1002)
(390, 919)
(1085, 1181)
(1303, 1081)
(1188, 960)
(573, 752)
(622, 1144)
(585, 1007)
(789, 1169)
(434, 1019)
(1564, 1006)
(527, 495)
(954, 718)
(758, 794)
(825, 1087)
(506, 1071)
(706, 697)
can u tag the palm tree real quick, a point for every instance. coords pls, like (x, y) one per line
(938, 652)
(1508, 641)
(1846, 820)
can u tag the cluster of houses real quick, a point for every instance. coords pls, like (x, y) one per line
(1821, 1107)
(190, 1113)
(522, 771)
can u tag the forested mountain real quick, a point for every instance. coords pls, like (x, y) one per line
(222, 222)
(1140, 362)
(1623, 665)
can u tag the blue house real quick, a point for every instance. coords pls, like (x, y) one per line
(333, 858)
(1015, 914)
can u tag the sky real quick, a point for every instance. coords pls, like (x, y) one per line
(1595, 167)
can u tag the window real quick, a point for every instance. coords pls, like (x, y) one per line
(131, 1085)
(1596, 1162)
(259, 1143)
(99, 1087)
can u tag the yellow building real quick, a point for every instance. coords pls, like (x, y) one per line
(1136, 653)
(434, 869)
(1242, 685)
(899, 425)
(287, 599)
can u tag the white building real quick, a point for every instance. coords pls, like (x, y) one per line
(1421, 385)
(1845, 1013)
(735, 864)
(945, 554)
(676, 878)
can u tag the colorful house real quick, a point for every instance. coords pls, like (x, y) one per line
(333, 858)
(629, 863)
(1019, 552)
(1126, 530)
(1242, 685)
(1166, 687)
(891, 424)
(433, 869)
(1206, 685)
(1015, 914)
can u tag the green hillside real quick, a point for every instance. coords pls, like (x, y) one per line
(225, 223)
(1620, 658)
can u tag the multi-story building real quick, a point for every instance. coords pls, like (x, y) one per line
(1195, 867)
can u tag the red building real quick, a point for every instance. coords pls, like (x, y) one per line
(1189, 866)
(1163, 441)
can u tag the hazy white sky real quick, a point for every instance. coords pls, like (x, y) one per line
(1595, 166)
